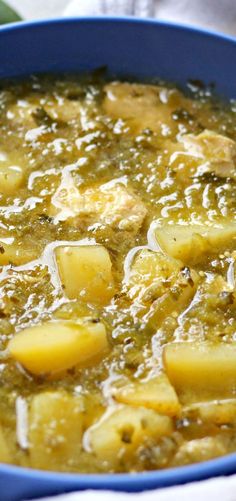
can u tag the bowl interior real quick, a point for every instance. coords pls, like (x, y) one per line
(128, 47)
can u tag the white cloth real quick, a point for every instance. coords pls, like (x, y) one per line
(213, 14)
(220, 489)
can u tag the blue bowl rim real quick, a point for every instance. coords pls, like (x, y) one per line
(160, 478)
(119, 19)
(127, 481)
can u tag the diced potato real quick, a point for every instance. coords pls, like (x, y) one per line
(201, 449)
(156, 393)
(11, 177)
(192, 243)
(12, 253)
(173, 302)
(161, 284)
(55, 430)
(217, 151)
(85, 273)
(219, 412)
(108, 204)
(150, 273)
(118, 434)
(143, 106)
(201, 371)
(56, 346)
(5, 455)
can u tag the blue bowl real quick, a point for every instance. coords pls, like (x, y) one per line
(143, 49)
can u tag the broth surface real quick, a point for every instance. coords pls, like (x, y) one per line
(117, 275)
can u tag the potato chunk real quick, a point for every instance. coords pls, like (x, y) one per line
(219, 412)
(85, 272)
(143, 106)
(176, 300)
(55, 431)
(160, 285)
(5, 455)
(217, 152)
(110, 204)
(150, 273)
(118, 435)
(56, 346)
(192, 243)
(201, 371)
(156, 393)
(201, 449)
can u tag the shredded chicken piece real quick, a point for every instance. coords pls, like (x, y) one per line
(110, 204)
(217, 152)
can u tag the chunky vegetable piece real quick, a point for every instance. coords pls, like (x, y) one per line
(118, 435)
(156, 393)
(151, 273)
(192, 243)
(86, 273)
(220, 412)
(201, 449)
(55, 430)
(53, 347)
(201, 369)
(161, 285)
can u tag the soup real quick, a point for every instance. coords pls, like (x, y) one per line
(117, 275)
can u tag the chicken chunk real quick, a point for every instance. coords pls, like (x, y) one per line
(217, 152)
(110, 204)
(143, 106)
